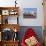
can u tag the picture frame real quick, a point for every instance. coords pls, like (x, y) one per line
(5, 12)
(13, 12)
(29, 12)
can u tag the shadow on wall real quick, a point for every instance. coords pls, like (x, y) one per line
(37, 29)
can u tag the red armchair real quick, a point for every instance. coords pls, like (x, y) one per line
(28, 34)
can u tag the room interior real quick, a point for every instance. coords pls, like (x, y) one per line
(17, 16)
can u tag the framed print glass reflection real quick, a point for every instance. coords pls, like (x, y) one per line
(29, 12)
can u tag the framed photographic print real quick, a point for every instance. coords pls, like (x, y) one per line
(12, 12)
(5, 12)
(29, 12)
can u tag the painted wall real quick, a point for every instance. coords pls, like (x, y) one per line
(27, 4)
(7, 3)
(32, 4)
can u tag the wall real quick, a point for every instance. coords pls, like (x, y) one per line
(27, 4)
(7, 3)
(32, 4)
